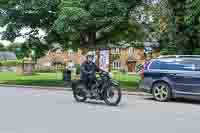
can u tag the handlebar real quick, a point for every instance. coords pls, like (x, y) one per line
(103, 73)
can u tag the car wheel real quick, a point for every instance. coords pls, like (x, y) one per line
(161, 92)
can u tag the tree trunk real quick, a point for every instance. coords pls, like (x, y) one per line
(88, 40)
(91, 39)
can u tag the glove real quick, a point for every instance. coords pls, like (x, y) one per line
(89, 73)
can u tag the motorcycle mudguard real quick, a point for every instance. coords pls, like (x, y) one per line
(75, 83)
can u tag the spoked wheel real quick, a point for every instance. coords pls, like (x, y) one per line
(112, 96)
(162, 92)
(78, 94)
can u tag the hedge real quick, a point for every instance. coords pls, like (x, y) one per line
(78, 69)
(10, 63)
(196, 51)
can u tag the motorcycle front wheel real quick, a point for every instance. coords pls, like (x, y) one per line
(112, 95)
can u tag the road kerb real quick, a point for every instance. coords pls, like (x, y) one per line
(137, 93)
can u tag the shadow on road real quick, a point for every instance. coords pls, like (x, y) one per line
(95, 103)
(178, 100)
(186, 101)
(101, 103)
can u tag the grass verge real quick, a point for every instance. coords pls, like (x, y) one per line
(128, 82)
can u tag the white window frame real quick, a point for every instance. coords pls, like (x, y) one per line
(116, 64)
(130, 50)
(115, 50)
(70, 54)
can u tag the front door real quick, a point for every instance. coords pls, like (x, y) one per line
(131, 67)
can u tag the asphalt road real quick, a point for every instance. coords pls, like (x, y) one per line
(42, 111)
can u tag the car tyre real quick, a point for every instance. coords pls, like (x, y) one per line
(161, 92)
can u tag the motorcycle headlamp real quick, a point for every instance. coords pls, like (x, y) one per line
(110, 74)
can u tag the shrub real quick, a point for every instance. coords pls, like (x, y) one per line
(123, 70)
(78, 69)
(196, 51)
(48, 69)
(169, 51)
(115, 70)
(10, 63)
(45, 71)
(138, 68)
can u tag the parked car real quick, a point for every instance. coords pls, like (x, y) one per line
(172, 77)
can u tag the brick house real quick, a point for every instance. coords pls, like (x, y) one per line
(119, 58)
(128, 58)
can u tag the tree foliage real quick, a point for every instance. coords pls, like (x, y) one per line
(17, 14)
(70, 22)
(94, 22)
(2, 47)
(181, 25)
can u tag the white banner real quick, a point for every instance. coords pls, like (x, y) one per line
(104, 60)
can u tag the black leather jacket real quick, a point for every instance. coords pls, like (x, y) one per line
(88, 70)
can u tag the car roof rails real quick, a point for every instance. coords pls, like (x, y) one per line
(167, 56)
(180, 56)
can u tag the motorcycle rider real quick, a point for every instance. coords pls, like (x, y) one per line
(88, 71)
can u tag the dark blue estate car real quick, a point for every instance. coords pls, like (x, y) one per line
(172, 77)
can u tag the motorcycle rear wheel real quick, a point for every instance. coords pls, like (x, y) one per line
(78, 94)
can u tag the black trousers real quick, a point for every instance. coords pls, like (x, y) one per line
(88, 81)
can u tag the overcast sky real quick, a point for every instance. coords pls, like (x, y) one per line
(19, 39)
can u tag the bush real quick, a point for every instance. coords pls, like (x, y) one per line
(114, 70)
(48, 69)
(196, 51)
(78, 69)
(123, 70)
(45, 71)
(10, 63)
(138, 68)
(169, 51)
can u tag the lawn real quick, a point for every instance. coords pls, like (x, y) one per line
(40, 79)
(127, 81)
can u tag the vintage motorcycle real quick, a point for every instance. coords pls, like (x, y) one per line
(104, 88)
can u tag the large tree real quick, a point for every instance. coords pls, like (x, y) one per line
(2, 47)
(71, 22)
(93, 22)
(182, 25)
(33, 14)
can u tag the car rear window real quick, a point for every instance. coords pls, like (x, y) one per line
(188, 64)
(196, 63)
(172, 65)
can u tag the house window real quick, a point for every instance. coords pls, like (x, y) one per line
(115, 51)
(130, 50)
(116, 65)
(70, 54)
